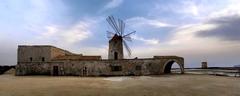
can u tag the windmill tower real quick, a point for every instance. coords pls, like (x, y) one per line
(118, 39)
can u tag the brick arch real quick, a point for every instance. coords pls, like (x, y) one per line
(168, 65)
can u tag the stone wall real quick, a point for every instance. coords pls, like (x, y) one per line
(49, 60)
(148, 66)
(34, 53)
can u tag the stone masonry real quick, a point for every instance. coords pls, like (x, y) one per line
(50, 60)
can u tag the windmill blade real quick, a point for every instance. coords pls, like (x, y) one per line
(115, 24)
(128, 38)
(111, 24)
(120, 26)
(110, 34)
(123, 27)
(127, 48)
(129, 34)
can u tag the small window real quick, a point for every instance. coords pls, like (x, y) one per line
(31, 59)
(150, 64)
(138, 67)
(43, 59)
(116, 68)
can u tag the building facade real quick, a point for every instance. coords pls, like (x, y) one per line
(50, 60)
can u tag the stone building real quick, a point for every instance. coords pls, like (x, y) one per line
(50, 60)
(115, 48)
(204, 65)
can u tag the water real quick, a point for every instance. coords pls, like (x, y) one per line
(219, 72)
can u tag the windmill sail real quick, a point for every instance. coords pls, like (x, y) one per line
(110, 34)
(127, 48)
(119, 27)
(129, 34)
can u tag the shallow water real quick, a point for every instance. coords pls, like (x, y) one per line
(219, 72)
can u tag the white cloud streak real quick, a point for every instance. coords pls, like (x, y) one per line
(141, 21)
(146, 41)
(112, 4)
(77, 33)
(63, 37)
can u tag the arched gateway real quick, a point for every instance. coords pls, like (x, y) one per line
(168, 65)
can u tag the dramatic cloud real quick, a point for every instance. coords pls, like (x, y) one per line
(65, 37)
(227, 28)
(141, 21)
(198, 30)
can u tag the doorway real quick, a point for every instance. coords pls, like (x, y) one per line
(55, 70)
(85, 71)
(115, 55)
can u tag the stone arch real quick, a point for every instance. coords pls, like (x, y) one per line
(168, 65)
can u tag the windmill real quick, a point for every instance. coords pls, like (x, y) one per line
(118, 38)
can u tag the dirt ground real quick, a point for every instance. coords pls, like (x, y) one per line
(163, 85)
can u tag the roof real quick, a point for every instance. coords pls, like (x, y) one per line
(78, 57)
(35, 46)
(116, 37)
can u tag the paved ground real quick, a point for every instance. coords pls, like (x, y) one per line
(163, 85)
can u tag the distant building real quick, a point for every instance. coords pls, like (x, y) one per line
(204, 65)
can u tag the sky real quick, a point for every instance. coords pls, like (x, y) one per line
(198, 30)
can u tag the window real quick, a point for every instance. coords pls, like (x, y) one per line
(43, 59)
(138, 67)
(31, 59)
(150, 64)
(116, 68)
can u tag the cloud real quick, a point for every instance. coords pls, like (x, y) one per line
(227, 28)
(76, 33)
(232, 8)
(187, 33)
(216, 40)
(227, 21)
(182, 8)
(101, 50)
(146, 41)
(186, 43)
(112, 4)
(189, 7)
(62, 37)
(176, 25)
(141, 21)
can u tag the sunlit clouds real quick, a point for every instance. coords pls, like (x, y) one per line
(198, 30)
